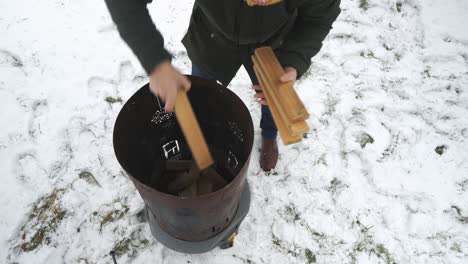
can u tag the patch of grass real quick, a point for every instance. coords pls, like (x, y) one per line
(363, 4)
(368, 245)
(246, 261)
(285, 248)
(427, 73)
(88, 177)
(395, 141)
(397, 56)
(463, 185)
(310, 256)
(44, 219)
(368, 54)
(364, 139)
(398, 6)
(113, 100)
(83, 260)
(113, 215)
(335, 188)
(130, 245)
(122, 247)
(292, 213)
(440, 149)
(456, 247)
(461, 218)
(293, 250)
(382, 252)
(275, 241)
(12, 58)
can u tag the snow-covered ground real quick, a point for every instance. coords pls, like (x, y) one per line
(381, 178)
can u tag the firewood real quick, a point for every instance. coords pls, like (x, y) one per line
(293, 105)
(197, 144)
(286, 107)
(286, 137)
(191, 130)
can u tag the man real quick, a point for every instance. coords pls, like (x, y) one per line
(222, 36)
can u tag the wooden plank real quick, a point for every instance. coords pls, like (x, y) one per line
(191, 130)
(190, 191)
(295, 128)
(289, 98)
(204, 186)
(212, 176)
(267, 63)
(271, 65)
(299, 128)
(290, 101)
(273, 100)
(179, 180)
(178, 165)
(183, 179)
(286, 137)
(253, 3)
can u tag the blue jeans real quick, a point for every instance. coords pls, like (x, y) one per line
(267, 124)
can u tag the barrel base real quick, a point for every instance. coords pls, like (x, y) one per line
(224, 239)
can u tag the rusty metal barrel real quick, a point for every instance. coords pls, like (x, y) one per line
(145, 136)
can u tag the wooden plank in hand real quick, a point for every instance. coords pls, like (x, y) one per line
(295, 128)
(286, 137)
(191, 130)
(211, 175)
(197, 145)
(267, 87)
(178, 165)
(253, 3)
(291, 102)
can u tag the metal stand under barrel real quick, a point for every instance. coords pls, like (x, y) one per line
(146, 138)
(224, 239)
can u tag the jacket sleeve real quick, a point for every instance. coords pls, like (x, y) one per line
(313, 23)
(138, 30)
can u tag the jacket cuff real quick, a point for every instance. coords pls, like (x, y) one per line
(295, 60)
(152, 57)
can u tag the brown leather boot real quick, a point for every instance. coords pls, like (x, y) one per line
(269, 154)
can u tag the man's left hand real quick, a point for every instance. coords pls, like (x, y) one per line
(290, 75)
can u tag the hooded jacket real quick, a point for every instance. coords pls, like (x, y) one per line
(223, 34)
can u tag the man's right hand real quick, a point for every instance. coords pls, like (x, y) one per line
(165, 81)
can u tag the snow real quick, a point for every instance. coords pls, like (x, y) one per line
(395, 72)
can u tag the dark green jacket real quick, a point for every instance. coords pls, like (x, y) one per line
(223, 33)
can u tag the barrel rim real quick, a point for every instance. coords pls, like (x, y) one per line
(197, 197)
